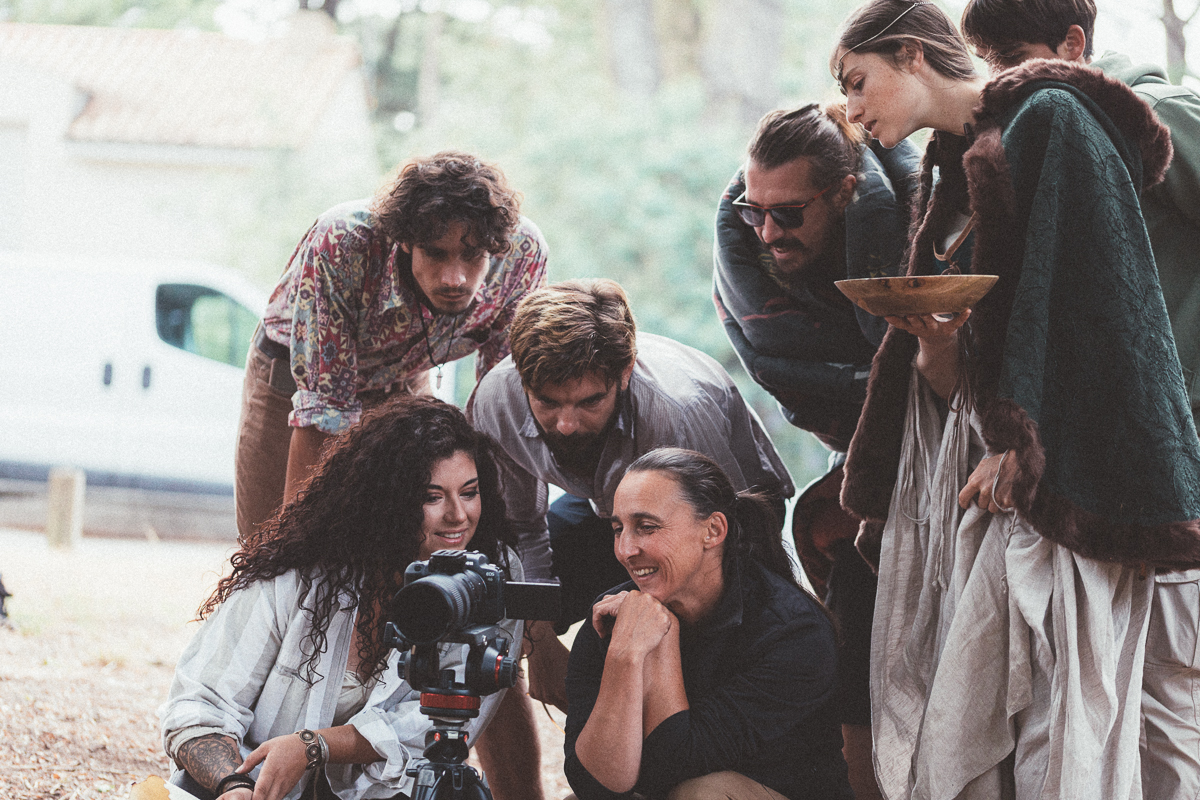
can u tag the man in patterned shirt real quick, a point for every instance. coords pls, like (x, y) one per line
(376, 295)
(379, 293)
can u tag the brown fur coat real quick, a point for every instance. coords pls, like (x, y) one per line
(976, 174)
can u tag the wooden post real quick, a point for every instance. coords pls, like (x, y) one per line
(64, 519)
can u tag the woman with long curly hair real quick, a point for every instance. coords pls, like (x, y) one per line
(289, 672)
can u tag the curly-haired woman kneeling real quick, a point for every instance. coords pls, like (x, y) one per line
(291, 653)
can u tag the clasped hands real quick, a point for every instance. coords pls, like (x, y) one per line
(634, 621)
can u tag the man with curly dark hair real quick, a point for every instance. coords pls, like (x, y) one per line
(379, 293)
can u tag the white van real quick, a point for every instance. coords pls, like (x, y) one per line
(128, 369)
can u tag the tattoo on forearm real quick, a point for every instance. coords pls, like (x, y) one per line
(209, 758)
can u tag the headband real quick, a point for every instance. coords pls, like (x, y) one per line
(876, 36)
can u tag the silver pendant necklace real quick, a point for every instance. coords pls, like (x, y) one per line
(429, 348)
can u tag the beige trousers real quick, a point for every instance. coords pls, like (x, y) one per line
(264, 435)
(1171, 690)
(263, 440)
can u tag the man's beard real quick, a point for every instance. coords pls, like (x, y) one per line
(811, 265)
(576, 452)
(800, 257)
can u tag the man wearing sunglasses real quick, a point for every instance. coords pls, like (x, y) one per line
(812, 205)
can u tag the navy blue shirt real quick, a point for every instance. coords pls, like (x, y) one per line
(759, 673)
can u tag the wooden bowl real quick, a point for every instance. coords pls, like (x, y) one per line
(923, 294)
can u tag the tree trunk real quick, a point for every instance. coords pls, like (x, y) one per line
(680, 25)
(1176, 43)
(383, 70)
(633, 57)
(329, 7)
(742, 51)
(429, 78)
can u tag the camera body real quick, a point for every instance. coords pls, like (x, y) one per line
(457, 597)
(457, 589)
(455, 600)
(450, 591)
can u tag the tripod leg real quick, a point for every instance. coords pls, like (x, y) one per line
(455, 783)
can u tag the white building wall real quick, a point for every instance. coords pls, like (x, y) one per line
(241, 207)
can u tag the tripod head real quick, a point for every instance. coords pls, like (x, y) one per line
(441, 773)
(449, 606)
(450, 698)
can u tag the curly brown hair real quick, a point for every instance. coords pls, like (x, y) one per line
(431, 192)
(356, 525)
(566, 330)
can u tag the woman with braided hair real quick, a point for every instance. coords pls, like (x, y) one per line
(709, 674)
(289, 683)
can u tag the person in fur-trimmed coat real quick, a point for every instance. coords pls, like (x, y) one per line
(1022, 468)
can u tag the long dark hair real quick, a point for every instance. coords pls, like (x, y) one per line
(356, 525)
(755, 530)
(887, 26)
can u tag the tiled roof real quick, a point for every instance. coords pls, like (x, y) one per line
(186, 87)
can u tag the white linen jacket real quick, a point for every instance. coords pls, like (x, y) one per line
(243, 674)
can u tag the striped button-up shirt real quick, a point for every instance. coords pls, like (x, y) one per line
(349, 311)
(677, 397)
(243, 675)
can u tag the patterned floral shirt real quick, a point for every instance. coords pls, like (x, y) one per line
(349, 311)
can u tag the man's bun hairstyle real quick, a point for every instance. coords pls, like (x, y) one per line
(820, 133)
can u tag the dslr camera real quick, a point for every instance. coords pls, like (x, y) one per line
(457, 597)
(455, 600)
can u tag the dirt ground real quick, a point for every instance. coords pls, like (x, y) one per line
(89, 656)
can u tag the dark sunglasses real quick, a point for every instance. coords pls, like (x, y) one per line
(788, 216)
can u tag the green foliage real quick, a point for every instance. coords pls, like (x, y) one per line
(629, 193)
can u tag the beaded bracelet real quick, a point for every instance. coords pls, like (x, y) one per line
(239, 780)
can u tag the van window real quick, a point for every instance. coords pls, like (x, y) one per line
(204, 321)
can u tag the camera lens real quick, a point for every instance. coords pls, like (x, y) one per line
(427, 609)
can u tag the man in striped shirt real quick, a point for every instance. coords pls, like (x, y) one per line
(577, 402)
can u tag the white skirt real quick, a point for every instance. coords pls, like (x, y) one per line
(1002, 665)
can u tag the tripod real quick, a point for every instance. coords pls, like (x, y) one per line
(441, 773)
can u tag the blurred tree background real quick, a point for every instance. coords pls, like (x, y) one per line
(621, 121)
